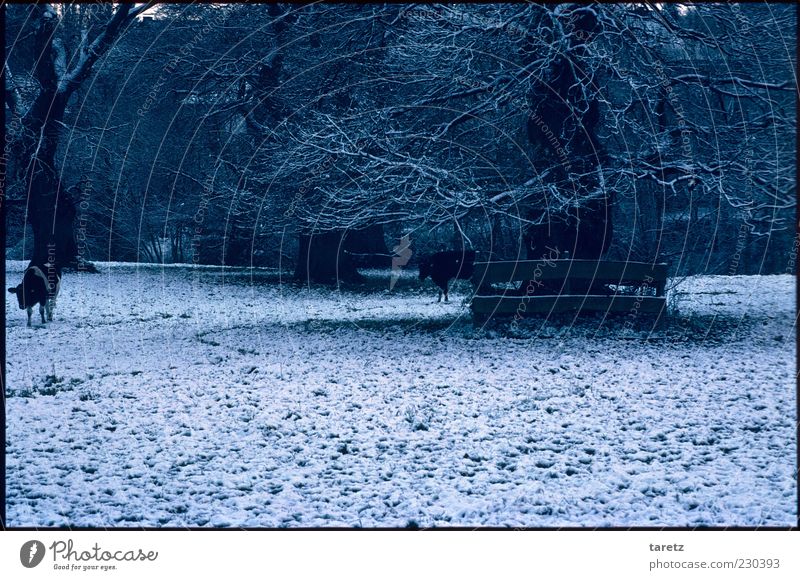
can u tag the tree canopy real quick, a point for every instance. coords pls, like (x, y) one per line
(216, 133)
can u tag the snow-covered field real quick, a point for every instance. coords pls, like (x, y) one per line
(201, 397)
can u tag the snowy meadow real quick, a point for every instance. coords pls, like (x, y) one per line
(183, 397)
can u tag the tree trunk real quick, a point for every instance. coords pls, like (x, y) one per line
(322, 259)
(367, 247)
(51, 209)
(563, 131)
(335, 256)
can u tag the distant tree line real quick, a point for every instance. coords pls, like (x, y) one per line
(314, 136)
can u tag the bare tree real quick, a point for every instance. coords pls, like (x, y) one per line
(531, 126)
(57, 73)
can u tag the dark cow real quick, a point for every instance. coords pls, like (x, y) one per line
(40, 285)
(444, 266)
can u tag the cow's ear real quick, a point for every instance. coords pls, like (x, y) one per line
(12, 290)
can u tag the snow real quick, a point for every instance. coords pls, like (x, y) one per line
(180, 396)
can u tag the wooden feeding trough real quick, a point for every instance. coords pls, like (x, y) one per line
(553, 286)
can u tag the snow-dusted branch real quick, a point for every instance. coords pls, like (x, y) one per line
(91, 51)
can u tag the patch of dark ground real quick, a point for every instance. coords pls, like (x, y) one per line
(699, 330)
(669, 327)
(672, 328)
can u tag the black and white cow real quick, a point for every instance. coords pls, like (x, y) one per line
(40, 285)
(444, 266)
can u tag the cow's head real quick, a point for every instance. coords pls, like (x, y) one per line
(20, 292)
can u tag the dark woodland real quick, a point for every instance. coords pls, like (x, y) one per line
(312, 137)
